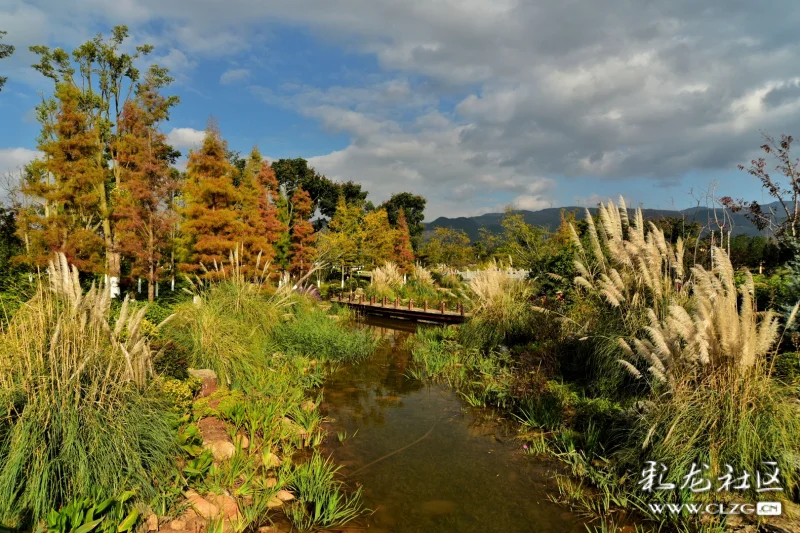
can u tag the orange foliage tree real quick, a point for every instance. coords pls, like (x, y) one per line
(403, 251)
(211, 226)
(65, 185)
(144, 219)
(302, 235)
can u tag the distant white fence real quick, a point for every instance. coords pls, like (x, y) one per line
(468, 275)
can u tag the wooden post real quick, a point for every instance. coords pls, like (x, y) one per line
(461, 309)
(410, 304)
(425, 304)
(384, 301)
(441, 307)
(396, 302)
(350, 298)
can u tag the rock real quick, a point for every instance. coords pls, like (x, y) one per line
(274, 502)
(271, 460)
(243, 440)
(152, 522)
(208, 380)
(284, 496)
(221, 450)
(177, 525)
(271, 482)
(212, 429)
(267, 529)
(226, 504)
(203, 507)
(294, 428)
(308, 405)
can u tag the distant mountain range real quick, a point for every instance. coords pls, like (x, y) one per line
(550, 218)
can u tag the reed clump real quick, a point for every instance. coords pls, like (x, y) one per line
(501, 309)
(79, 413)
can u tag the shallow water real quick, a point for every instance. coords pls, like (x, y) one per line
(426, 461)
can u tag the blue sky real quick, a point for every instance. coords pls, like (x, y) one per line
(473, 104)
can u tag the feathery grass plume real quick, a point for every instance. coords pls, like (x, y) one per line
(722, 406)
(628, 265)
(78, 413)
(422, 275)
(501, 307)
(387, 278)
(723, 333)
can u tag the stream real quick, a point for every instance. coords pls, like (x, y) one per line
(427, 461)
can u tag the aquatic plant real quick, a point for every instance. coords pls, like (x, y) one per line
(321, 500)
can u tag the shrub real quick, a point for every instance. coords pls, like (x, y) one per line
(78, 411)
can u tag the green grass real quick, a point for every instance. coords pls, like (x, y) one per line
(80, 413)
(315, 334)
(321, 501)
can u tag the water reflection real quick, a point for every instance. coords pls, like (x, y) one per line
(426, 462)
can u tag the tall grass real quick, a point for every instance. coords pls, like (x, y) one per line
(717, 402)
(226, 326)
(311, 332)
(501, 309)
(77, 413)
(321, 502)
(386, 279)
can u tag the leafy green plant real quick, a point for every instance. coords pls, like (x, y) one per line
(321, 501)
(101, 515)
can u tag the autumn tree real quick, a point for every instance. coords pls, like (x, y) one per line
(413, 207)
(5, 51)
(68, 185)
(211, 225)
(101, 80)
(403, 252)
(344, 235)
(448, 246)
(254, 205)
(302, 237)
(377, 246)
(143, 215)
(784, 188)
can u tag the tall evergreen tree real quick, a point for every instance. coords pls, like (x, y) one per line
(106, 79)
(254, 196)
(302, 250)
(68, 185)
(403, 252)
(377, 246)
(211, 225)
(143, 215)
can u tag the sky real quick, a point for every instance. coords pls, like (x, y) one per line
(474, 104)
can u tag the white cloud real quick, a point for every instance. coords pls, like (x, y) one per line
(185, 137)
(518, 91)
(237, 75)
(12, 160)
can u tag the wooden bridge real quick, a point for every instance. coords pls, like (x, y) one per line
(394, 309)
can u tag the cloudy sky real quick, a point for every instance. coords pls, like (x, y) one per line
(475, 104)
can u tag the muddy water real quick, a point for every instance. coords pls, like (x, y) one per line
(426, 461)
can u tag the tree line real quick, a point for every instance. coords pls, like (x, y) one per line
(106, 191)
